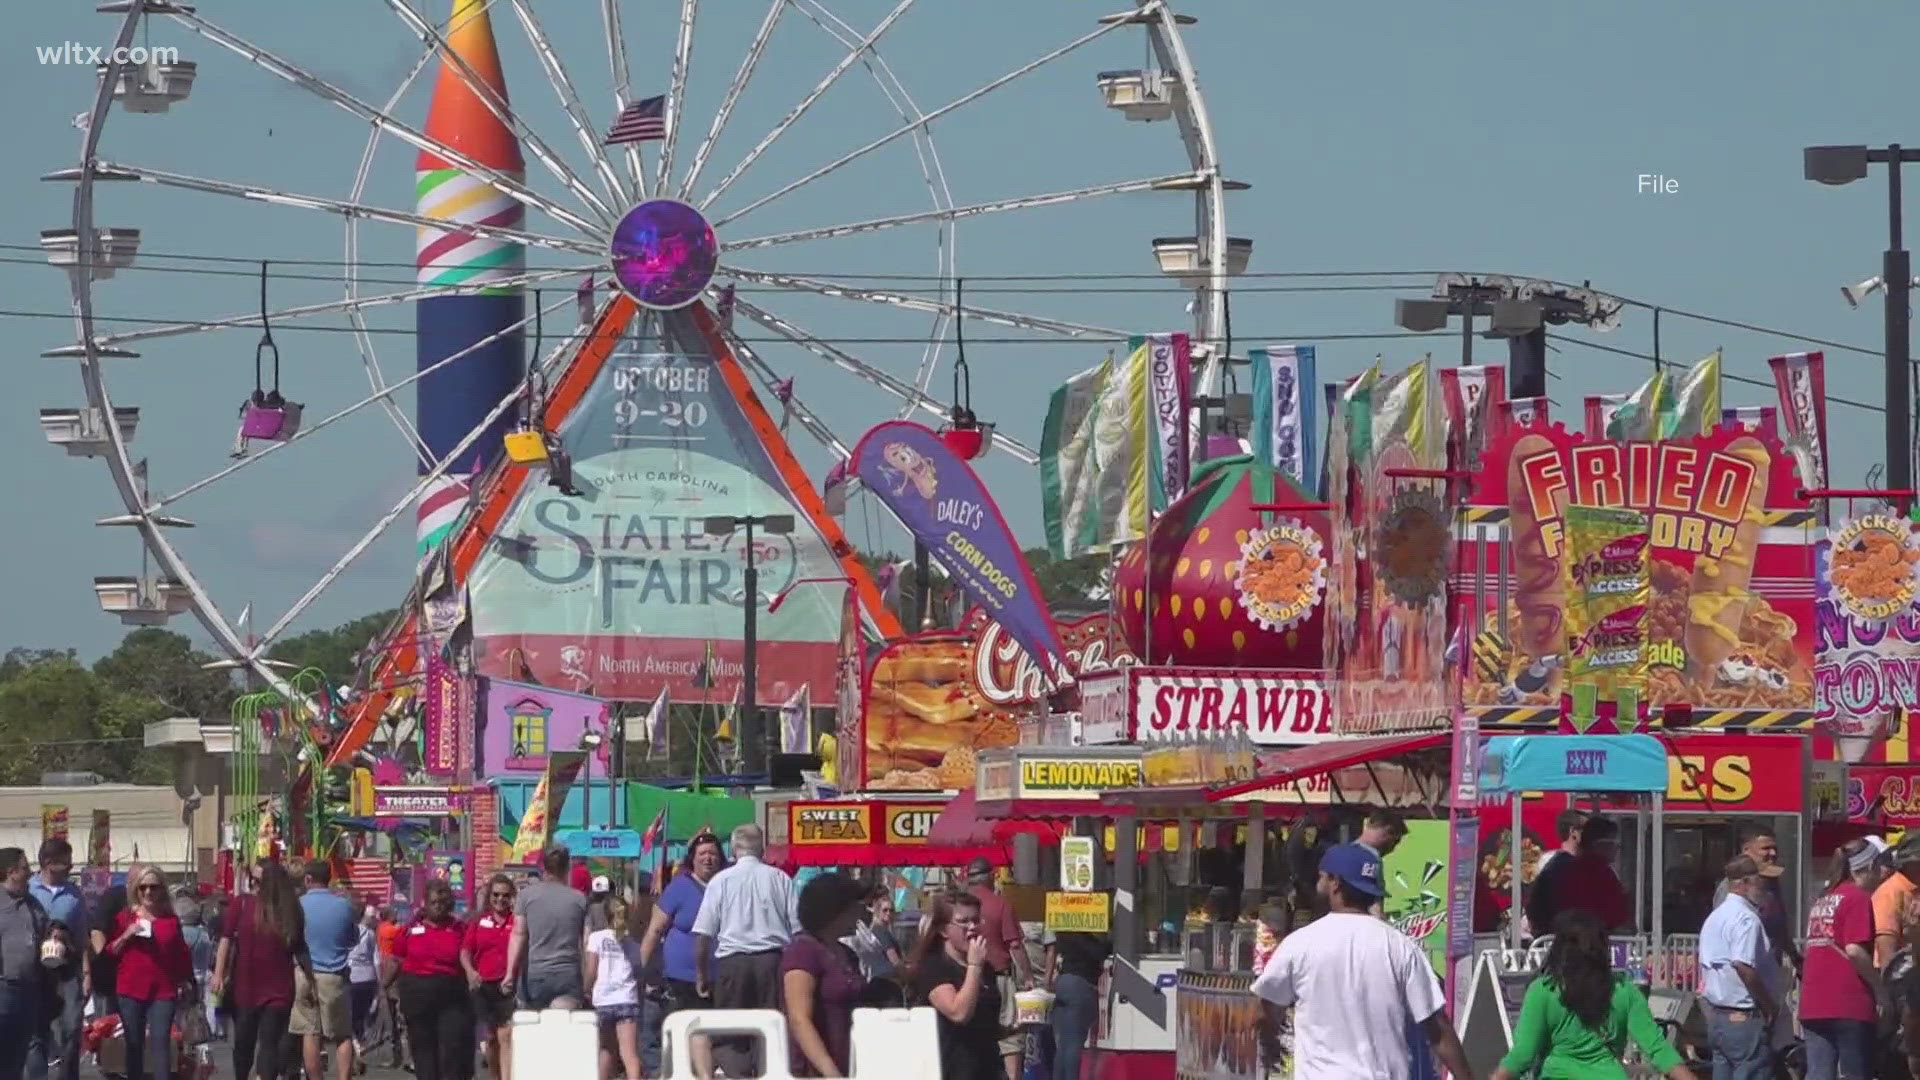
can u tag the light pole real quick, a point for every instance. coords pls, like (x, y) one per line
(1520, 320)
(1843, 165)
(754, 754)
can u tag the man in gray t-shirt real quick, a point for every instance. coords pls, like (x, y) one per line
(549, 921)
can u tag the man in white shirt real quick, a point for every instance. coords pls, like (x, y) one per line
(1739, 977)
(1356, 983)
(749, 913)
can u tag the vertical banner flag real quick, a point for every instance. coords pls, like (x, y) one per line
(1523, 412)
(1693, 408)
(1283, 435)
(1801, 379)
(1470, 395)
(1169, 378)
(100, 839)
(1764, 418)
(1605, 576)
(1094, 459)
(656, 723)
(942, 502)
(53, 821)
(543, 808)
(795, 723)
(1635, 417)
(1867, 628)
(440, 714)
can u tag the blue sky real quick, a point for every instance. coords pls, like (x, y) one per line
(1495, 136)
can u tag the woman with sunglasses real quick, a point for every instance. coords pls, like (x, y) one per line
(483, 953)
(155, 970)
(433, 989)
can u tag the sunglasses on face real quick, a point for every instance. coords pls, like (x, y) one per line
(149, 888)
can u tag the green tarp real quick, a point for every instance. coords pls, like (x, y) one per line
(687, 812)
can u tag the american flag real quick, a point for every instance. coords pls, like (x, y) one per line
(651, 837)
(640, 121)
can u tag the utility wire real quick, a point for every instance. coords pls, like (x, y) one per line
(1765, 384)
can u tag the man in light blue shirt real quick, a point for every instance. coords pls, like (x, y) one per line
(55, 1050)
(323, 1007)
(749, 913)
(1738, 978)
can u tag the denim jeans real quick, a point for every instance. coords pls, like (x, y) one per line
(653, 1013)
(538, 990)
(1839, 1049)
(1741, 1047)
(55, 1050)
(19, 1020)
(147, 1027)
(1076, 1005)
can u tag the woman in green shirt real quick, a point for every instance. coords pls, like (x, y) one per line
(1578, 1015)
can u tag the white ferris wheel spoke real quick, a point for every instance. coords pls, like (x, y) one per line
(570, 101)
(920, 123)
(682, 57)
(853, 365)
(806, 103)
(351, 304)
(502, 111)
(809, 420)
(622, 85)
(362, 339)
(383, 393)
(1024, 202)
(921, 303)
(343, 208)
(306, 80)
(407, 501)
(734, 89)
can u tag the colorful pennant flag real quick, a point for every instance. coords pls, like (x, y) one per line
(795, 718)
(1694, 406)
(703, 676)
(655, 724)
(651, 838)
(641, 121)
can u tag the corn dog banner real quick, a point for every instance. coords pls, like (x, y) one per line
(932, 702)
(1729, 612)
(1867, 627)
(938, 498)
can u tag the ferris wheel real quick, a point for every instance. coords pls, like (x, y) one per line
(569, 207)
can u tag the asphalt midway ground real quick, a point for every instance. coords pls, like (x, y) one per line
(223, 1067)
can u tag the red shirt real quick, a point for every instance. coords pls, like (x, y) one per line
(150, 967)
(260, 964)
(486, 942)
(998, 927)
(429, 948)
(1588, 883)
(1830, 988)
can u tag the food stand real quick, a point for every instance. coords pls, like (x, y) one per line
(1511, 766)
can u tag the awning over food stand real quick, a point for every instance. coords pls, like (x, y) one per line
(1279, 770)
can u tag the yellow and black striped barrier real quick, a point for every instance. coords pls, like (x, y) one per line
(1749, 720)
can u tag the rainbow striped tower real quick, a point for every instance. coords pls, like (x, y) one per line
(456, 397)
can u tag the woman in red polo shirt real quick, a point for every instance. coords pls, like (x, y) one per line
(483, 954)
(433, 990)
(154, 968)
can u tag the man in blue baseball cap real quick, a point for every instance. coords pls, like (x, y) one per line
(1356, 983)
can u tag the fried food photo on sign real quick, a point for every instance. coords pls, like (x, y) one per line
(926, 721)
(1876, 567)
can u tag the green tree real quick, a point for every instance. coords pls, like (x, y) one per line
(56, 716)
(333, 651)
(162, 666)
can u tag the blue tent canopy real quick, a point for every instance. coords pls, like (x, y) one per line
(1629, 763)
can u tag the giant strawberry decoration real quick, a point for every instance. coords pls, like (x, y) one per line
(1227, 585)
